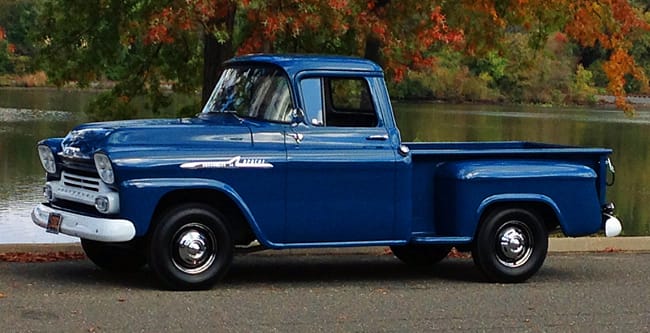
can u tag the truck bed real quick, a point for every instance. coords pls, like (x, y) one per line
(431, 178)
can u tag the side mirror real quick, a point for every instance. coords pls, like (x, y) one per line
(297, 117)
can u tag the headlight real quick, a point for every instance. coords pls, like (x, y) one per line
(47, 159)
(104, 168)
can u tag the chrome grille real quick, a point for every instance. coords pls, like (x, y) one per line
(82, 182)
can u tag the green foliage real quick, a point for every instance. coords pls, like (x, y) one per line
(520, 73)
(449, 80)
(17, 17)
(599, 76)
(536, 76)
(86, 41)
(641, 53)
(491, 64)
(583, 89)
(108, 106)
(6, 65)
(16, 49)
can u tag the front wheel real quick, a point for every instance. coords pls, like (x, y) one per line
(191, 247)
(114, 257)
(511, 245)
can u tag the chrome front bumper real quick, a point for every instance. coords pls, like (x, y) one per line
(82, 226)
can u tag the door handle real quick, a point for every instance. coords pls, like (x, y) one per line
(380, 137)
(297, 136)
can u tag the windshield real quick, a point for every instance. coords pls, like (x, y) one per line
(252, 92)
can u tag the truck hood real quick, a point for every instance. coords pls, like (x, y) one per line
(152, 134)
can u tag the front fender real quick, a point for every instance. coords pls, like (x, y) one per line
(139, 198)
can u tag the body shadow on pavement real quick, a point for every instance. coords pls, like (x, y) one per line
(254, 269)
(348, 268)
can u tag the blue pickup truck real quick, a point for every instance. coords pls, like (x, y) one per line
(303, 151)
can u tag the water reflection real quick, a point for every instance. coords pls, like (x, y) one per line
(27, 116)
(18, 197)
(73, 101)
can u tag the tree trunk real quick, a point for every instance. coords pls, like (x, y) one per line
(373, 49)
(215, 53)
(373, 44)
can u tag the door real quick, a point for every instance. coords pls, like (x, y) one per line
(341, 166)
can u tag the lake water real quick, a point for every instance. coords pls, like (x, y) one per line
(28, 115)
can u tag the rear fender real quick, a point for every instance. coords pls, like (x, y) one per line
(575, 219)
(522, 200)
(465, 189)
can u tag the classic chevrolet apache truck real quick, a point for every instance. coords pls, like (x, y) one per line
(304, 151)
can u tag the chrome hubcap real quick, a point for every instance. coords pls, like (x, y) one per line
(195, 248)
(515, 244)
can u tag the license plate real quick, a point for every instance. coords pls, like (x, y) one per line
(54, 223)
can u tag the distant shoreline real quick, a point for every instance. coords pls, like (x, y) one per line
(641, 102)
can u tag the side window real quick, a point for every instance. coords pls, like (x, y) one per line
(338, 102)
(349, 103)
(312, 94)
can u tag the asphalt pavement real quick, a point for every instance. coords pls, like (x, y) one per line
(345, 292)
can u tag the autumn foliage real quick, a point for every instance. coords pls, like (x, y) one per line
(405, 29)
(404, 36)
(612, 24)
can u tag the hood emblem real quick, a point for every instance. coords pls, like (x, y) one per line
(73, 152)
(233, 163)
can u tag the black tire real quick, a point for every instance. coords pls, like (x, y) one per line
(191, 248)
(115, 257)
(421, 255)
(511, 245)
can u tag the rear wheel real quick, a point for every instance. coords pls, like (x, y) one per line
(191, 247)
(421, 255)
(115, 257)
(511, 245)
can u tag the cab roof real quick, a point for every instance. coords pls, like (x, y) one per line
(294, 64)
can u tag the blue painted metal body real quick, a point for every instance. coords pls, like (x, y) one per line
(338, 186)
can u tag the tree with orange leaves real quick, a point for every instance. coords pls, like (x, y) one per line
(401, 32)
(611, 24)
(144, 45)
(397, 34)
(614, 25)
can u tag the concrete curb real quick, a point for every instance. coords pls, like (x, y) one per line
(556, 245)
(599, 244)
